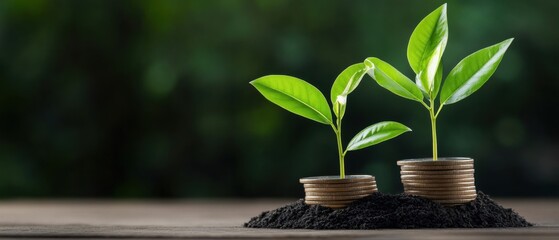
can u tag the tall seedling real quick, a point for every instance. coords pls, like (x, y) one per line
(425, 50)
(302, 98)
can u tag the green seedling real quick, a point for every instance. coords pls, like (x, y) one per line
(302, 98)
(425, 50)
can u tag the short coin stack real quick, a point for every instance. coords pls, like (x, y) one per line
(336, 192)
(448, 181)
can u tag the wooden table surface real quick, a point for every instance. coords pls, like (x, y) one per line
(224, 219)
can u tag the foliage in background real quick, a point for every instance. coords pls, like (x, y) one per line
(149, 98)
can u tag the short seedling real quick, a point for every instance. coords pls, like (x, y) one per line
(425, 50)
(302, 98)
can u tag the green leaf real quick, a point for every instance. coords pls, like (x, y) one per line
(296, 96)
(340, 106)
(472, 72)
(376, 133)
(436, 87)
(388, 77)
(426, 47)
(345, 83)
(438, 81)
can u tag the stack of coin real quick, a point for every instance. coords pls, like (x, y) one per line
(448, 181)
(336, 192)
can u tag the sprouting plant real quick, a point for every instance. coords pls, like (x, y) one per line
(302, 98)
(425, 50)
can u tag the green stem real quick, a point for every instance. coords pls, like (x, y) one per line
(434, 128)
(341, 152)
(439, 111)
(425, 105)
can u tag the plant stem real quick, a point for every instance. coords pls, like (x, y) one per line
(341, 153)
(434, 128)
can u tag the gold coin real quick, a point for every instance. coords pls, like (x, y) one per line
(439, 172)
(426, 176)
(472, 196)
(453, 201)
(445, 180)
(435, 168)
(352, 193)
(441, 193)
(438, 183)
(450, 197)
(446, 197)
(334, 206)
(335, 198)
(339, 185)
(439, 162)
(359, 188)
(411, 185)
(337, 179)
(451, 188)
(315, 202)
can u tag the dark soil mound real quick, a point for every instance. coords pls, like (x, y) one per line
(391, 211)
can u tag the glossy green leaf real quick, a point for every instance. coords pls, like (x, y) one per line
(340, 106)
(388, 77)
(345, 83)
(296, 96)
(436, 88)
(472, 72)
(375, 134)
(438, 81)
(426, 47)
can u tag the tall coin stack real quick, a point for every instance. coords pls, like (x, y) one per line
(334, 192)
(448, 181)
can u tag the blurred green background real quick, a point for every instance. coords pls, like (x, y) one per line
(151, 98)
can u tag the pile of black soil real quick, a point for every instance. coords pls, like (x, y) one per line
(391, 211)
